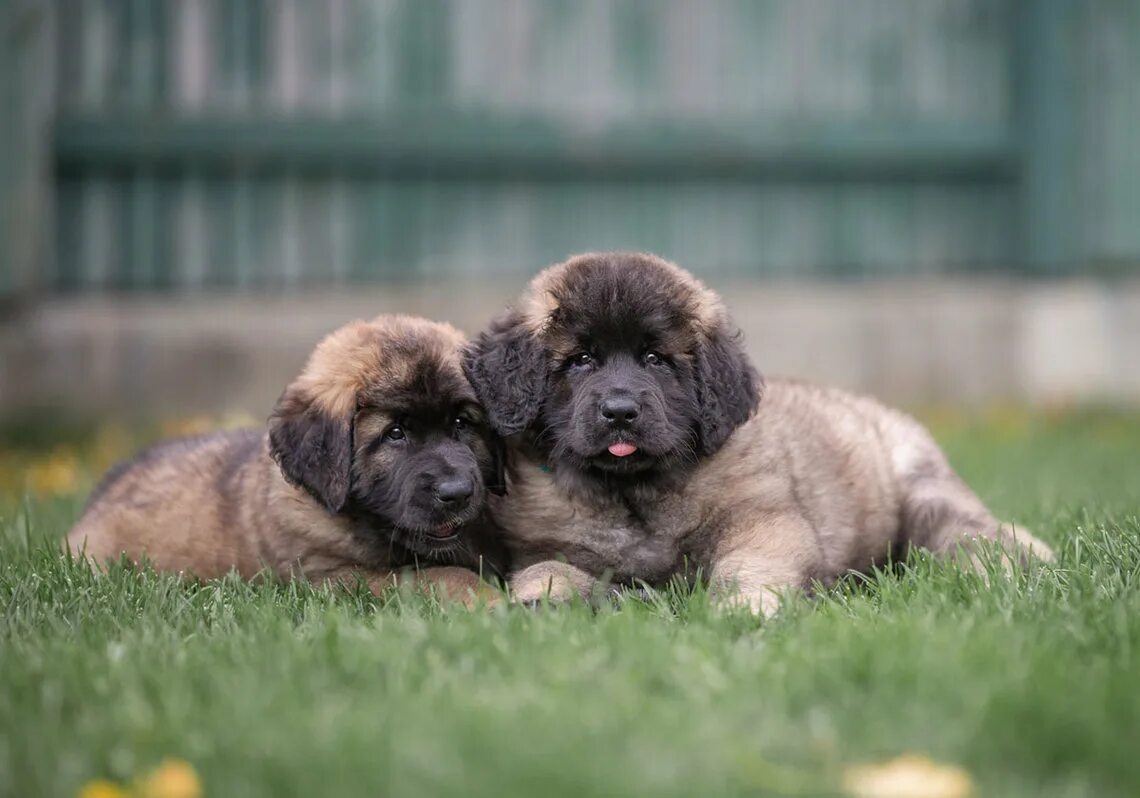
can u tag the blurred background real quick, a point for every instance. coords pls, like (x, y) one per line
(934, 200)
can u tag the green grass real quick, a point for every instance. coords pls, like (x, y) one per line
(1031, 683)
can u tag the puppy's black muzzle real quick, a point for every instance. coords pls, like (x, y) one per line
(619, 412)
(446, 490)
(454, 494)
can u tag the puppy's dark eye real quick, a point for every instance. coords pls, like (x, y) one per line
(461, 422)
(582, 359)
(652, 359)
(394, 433)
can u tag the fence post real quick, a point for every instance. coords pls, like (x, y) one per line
(1047, 88)
(26, 79)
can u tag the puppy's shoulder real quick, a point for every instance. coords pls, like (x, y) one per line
(797, 420)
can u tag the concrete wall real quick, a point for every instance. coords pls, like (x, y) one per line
(909, 342)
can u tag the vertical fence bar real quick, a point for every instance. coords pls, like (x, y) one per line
(1047, 109)
(26, 102)
(191, 40)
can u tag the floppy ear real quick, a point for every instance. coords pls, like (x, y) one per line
(728, 387)
(312, 448)
(506, 366)
(496, 478)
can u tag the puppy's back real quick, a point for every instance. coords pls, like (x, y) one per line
(181, 504)
(866, 475)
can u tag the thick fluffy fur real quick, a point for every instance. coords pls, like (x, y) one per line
(331, 491)
(759, 494)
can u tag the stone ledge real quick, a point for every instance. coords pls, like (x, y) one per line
(906, 341)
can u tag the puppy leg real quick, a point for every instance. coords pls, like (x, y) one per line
(757, 564)
(447, 583)
(450, 583)
(942, 514)
(551, 580)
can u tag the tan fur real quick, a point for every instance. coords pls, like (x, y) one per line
(350, 361)
(220, 503)
(817, 483)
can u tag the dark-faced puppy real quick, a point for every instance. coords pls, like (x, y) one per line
(651, 381)
(376, 459)
(642, 448)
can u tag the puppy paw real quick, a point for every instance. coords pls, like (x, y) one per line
(552, 582)
(552, 588)
(534, 605)
(454, 585)
(763, 602)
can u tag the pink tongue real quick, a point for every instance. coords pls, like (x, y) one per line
(622, 449)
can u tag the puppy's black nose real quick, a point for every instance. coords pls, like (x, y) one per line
(619, 409)
(454, 491)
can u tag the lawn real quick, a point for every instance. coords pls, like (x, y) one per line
(1031, 683)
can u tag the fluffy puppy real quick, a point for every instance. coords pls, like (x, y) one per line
(641, 448)
(377, 458)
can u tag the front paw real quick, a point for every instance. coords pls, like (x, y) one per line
(550, 582)
(541, 589)
(534, 605)
(763, 602)
(456, 585)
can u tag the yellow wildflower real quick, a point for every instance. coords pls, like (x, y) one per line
(173, 778)
(55, 475)
(908, 776)
(102, 789)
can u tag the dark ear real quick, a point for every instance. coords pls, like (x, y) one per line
(312, 448)
(507, 368)
(496, 478)
(728, 387)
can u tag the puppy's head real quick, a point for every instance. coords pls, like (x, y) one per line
(618, 364)
(382, 423)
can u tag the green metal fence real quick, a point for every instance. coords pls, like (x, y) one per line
(195, 143)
